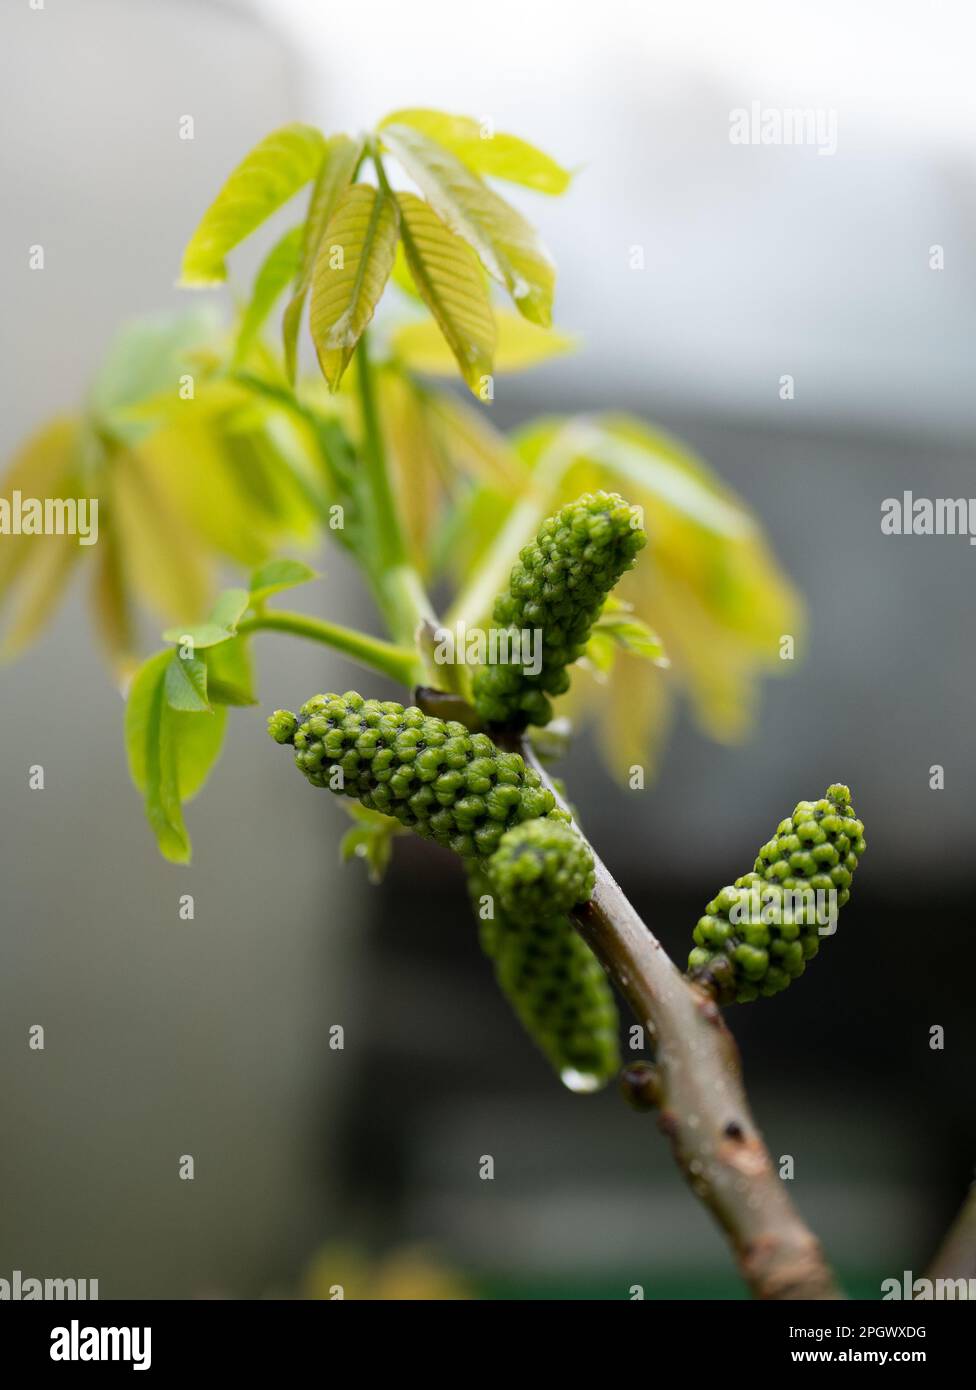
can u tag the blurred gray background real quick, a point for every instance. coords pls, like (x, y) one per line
(210, 1037)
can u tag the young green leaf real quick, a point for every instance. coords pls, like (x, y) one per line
(40, 591)
(519, 344)
(277, 269)
(163, 558)
(354, 263)
(265, 179)
(40, 468)
(633, 636)
(498, 155)
(219, 627)
(342, 156)
(507, 244)
(230, 674)
(229, 608)
(278, 575)
(186, 684)
(143, 366)
(371, 838)
(198, 739)
(170, 753)
(152, 757)
(111, 609)
(451, 283)
(401, 276)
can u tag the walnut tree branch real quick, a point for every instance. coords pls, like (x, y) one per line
(956, 1256)
(702, 1102)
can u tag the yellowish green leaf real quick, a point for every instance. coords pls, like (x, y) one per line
(354, 263)
(229, 607)
(162, 558)
(450, 281)
(230, 674)
(264, 180)
(40, 468)
(633, 636)
(40, 590)
(415, 459)
(151, 750)
(519, 344)
(508, 246)
(110, 605)
(339, 163)
(277, 269)
(370, 838)
(472, 445)
(278, 575)
(401, 276)
(170, 753)
(498, 155)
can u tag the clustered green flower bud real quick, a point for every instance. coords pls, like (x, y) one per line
(433, 775)
(558, 587)
(541, 867)
(556, 987)
(758, 934)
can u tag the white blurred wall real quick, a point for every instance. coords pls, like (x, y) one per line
(163, 1037)
(759, 260)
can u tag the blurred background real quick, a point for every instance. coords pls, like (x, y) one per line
(210, 1037)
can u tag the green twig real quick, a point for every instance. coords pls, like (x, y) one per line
(399, 586)
(399, 663)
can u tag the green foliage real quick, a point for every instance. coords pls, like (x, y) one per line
(757, 936)
(344, 251)
(205, 448)
(370, 838)
(176, 710)
(706, 585)
(170, 753)
(189, 462)
(506, 243)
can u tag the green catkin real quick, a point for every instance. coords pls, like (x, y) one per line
(558, 587)
(432, 775)
(556, 987)
(541, 868)
(747, 952)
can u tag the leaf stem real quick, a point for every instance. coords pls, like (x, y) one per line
(399, 663)
(399, 586)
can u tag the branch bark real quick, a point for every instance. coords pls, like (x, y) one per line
(956, 1256)
(702, 1102)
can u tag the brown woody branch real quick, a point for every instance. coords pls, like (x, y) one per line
(701, 1099)
(956, 1256)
